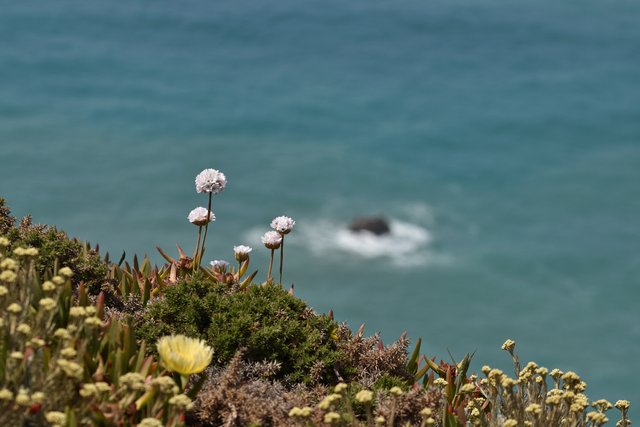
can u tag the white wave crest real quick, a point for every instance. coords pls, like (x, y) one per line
(405, 245)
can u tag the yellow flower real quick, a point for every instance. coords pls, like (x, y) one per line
(509, 345)
(55, 417)
(23, 328)
(184, 355)
(9, 264)
(48, 286)
(396, 391)
(47, 304)
(58, 280)
(622, 404)
(182, 402)
(331, 417)
(534, 408)
(364, 396)
(426, 412)
(23, 398)
(66, 272)
(150, 422)
(340, 387)
(14, 308)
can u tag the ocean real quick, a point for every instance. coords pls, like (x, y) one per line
(500, 139)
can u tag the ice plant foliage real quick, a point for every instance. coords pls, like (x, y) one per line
(184, 355)
(198, 216)
(210, 181)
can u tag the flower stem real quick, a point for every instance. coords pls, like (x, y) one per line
(281, 257)
(270, 266)
(195, 253)
(206, 228)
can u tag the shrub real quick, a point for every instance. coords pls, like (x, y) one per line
(268, 322)
(55, 248)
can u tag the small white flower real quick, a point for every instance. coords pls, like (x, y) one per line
(272, 239)
(241, 252)
(283, 224)
(210, 181)
(198, 216)
(219, 264)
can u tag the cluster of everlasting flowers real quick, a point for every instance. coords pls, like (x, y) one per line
(182, 402)
(151, 422)
(300, 412)
(198, 216)
(272, 239)
(25, 252)
(364, 396)
(331, 418)
(91, 390)
(210, 181)
(426, 416)
(184, 355)
(55, 418)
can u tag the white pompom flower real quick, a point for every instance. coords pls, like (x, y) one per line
(198, 216)
(210, 181)
(219, 265)
(241, 252)
(272, 239)
(283, 224)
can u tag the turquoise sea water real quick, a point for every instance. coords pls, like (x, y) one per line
(502, 139)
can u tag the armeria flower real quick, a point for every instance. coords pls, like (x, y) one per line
(184, 355)
(219, 264)
(198, 216)
(283, 224)
(210, 181)
(241, 252)
(272, 239)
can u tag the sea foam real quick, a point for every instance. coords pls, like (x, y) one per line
(406, 244)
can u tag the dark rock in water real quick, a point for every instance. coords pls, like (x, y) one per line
(375, 224)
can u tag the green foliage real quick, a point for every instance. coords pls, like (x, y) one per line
(266, 321)
(6, 220)
(387, 381)
(55, 248)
